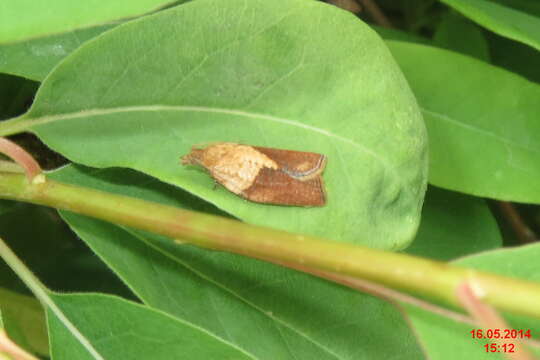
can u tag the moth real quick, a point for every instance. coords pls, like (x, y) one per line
(264, 175)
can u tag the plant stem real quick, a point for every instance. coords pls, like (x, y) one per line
(21, 157)
(433, 279)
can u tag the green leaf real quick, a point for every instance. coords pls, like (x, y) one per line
(118, 329)
(277, 74)
(24, 321)
(483, 128)
(518, 262)
(457, 33)
(454, 225)
(25, 19)
(507, 22)
(268, 311)
(35, 58)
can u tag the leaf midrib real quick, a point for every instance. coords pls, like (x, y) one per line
(479, 130)
(27, 123)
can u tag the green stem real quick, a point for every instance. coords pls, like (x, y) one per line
(420, 276)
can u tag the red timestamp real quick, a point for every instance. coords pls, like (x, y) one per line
(504, 348)
(500, 334)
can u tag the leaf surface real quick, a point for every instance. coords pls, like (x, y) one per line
(23, 320)
(275, 74)
(35, 58)
(457, 33)
(114, 328)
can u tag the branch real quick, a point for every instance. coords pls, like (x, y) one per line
(399, 271)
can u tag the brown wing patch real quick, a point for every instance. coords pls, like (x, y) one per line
(276, 187)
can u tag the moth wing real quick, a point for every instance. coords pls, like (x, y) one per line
(294, 160)
(298, 164)
(276, 187)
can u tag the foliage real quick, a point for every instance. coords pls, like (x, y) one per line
(121, 92)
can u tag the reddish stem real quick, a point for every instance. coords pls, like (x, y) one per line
(21, 157)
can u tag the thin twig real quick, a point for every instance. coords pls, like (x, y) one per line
(521, 229)
(376, 13)
(21, 157)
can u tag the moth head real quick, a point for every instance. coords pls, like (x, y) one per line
(193, 158)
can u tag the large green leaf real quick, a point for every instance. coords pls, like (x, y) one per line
(24, 19)
(268, 311)
(482, 123)
(502, 20)
(278, 74)
(35, 58)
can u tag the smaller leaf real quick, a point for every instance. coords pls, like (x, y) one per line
(119, 329)
(502, 20)
(26, 19)
(457, 33)
(35, 58)
(24, 321)
(454, 225)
